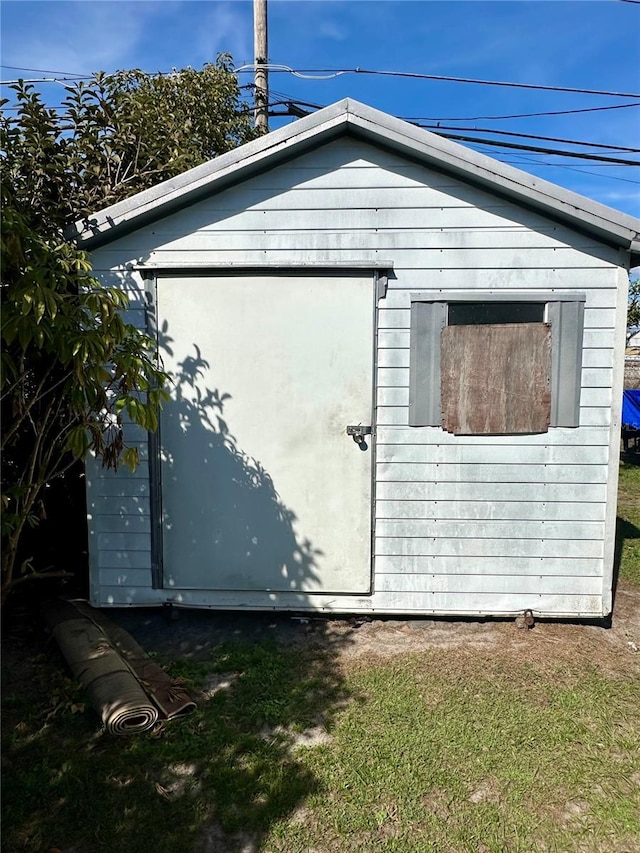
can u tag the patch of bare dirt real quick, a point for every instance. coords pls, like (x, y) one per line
(194, 634)
(355, 641)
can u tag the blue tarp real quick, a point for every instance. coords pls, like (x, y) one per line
(631, 408)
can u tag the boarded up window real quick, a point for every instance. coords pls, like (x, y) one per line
(431, 312)
(496, 378)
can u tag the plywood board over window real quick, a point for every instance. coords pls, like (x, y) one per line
(496, 379)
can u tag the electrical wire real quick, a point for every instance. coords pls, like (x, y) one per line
(287, 97)
(578, 169)
(288, 101)
(575, 167)
(45, 71)
(522, 115)
(328, 74)
(273, 67)
(514, 145)
(60, 80)
(532, 136)
(285, 100)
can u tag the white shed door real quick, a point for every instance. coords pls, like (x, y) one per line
(262, 488)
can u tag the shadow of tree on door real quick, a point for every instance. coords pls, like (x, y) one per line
(220, 502)
(267, 687)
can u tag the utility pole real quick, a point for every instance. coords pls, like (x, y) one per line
(261, 76)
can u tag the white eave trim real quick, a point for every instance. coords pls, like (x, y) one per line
(608, 224)
(267, 265)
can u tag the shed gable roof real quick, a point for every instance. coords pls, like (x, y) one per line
(351, 117)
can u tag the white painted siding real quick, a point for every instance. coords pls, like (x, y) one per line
(463, 525)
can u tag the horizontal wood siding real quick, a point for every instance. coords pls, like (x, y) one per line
(466, 524)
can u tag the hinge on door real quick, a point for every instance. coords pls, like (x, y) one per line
(382, 281)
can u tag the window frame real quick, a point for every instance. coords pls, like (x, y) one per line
(564, 311)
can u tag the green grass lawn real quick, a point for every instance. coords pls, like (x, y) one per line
(629, 522)
(525, 747)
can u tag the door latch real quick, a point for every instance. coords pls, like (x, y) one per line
(358, 433)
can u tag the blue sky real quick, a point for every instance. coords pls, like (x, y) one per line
(585, 44)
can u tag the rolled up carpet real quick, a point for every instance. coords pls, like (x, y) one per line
(171, 699)
(112, 688)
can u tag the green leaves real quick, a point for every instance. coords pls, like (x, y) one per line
(75, 376)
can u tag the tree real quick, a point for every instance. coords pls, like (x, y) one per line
(73, 373)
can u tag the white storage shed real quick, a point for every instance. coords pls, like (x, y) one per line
(397, 373)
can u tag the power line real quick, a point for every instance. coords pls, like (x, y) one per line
(285, 98)
(60, 80)
(290, 102)
(514, 145)
(337, 72)
(578, 169)
(44, 71)
(533, 136)
(500, 83)
(521, 115)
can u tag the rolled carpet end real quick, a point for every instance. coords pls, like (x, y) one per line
(129, 719)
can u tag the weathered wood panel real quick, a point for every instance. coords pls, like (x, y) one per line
(123, 541)
(594, 338)
(121, 523)
(123, 474)
(125, 577)
(595, 416)
(464, 550)
(393, 358)
(472, 529)
(596, 398)
(116, 488)
(496, 603)
(565, 567)
(583, 437)
(435, 255)
(597, 357)
(597, 377)
(394, 339)
(590, 416)
(412, 277)
(394, 318)
(487, 454)
(483, 510)
(393, 396)
(407, 282)
(120, 504)
(391, 415)
(385, 602)
(258, 226)
(496, 378)
(515, 585)
(589, 493)
(490, 270)
(117, 560)
(464, 473)
(393, 377)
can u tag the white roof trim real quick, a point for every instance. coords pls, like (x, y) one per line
(608, 224)
(374, 264)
